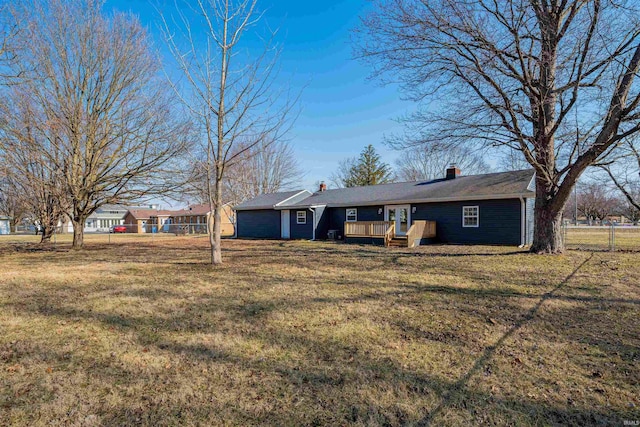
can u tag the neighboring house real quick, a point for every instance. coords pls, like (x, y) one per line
(494, 208)
(158, 220)
(136, 220)
(104, 218)
(5, 225)
(194, 220)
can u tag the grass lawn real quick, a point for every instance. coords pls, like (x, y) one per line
(143, 332)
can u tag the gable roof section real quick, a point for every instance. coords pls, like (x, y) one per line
(273, 200)
(201, 209)
(162, 212)
(499, 185)
(141, 213)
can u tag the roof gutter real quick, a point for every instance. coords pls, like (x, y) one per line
(415, 201)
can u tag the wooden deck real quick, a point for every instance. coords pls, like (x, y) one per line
(386, 230)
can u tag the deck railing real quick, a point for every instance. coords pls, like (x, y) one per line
(420, 230)
(366, 228)
(387, 230)
(390, 233)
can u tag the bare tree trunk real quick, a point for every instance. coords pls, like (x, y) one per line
(547, 235)
(216, 246)
(214, 226)
(78, 232)
(47, 233)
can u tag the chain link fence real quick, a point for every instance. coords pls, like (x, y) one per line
(116, 233)
(602, 238)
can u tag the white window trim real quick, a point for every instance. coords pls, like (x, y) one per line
(298, 218)
(347, 214)
(477, 216)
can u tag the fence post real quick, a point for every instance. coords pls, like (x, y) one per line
(612, 238)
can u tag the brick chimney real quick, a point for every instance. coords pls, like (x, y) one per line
(453, 172)
(323, 187)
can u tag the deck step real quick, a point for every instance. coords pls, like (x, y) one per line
(398, 241)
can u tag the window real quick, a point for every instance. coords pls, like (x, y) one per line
(470, 216)
(352, 215)
(301, 217)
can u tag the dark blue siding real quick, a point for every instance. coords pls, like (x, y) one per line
(301, 231)
(499, 221)
(337, 216)
(322, 223)
(260, 224)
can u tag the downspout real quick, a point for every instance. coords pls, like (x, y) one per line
(313, 222)
(523, 222)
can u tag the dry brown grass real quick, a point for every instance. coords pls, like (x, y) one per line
(298, 333)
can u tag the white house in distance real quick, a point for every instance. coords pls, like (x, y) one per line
(105, 217)
(5, 225)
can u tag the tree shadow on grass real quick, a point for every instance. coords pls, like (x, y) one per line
(460, 386)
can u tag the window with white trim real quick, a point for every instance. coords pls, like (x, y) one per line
(352, 215)
(301, 217)
(470, 216)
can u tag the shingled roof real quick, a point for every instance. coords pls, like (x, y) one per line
(273, 200)
(140, 214)
(473, 187)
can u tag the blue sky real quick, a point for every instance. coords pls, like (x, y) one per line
(341, 110)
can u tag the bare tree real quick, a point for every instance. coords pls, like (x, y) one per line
(230, 96)
(12, 203)
(29, 163)
(11, 26)
(624, 172)
(262, 169)
(512, 160)
(515, 74)
(595, 202)
(107, 124)
(628, 209)
(431, 161)
(340, 176)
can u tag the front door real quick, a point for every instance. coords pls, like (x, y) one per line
(285, 224)
(401, 215)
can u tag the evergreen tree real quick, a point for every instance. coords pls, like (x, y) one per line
(368, 169)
